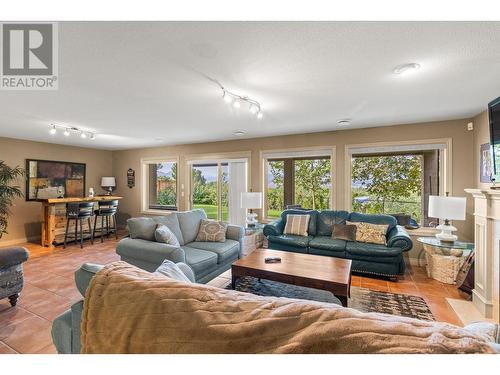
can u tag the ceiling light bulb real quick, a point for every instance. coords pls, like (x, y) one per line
(236, 104)
(83, 135)
(53, 130)
(66, 132)
(254, 109)
(406, 68)
(260, 115)
(92, 136)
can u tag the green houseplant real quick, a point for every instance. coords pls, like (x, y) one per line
(8, 192)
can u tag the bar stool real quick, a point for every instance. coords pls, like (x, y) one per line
(108, 210)
(79, 211)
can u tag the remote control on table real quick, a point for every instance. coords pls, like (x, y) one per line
(272, 260)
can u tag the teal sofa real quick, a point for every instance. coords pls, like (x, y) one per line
(207, 259)
(366, 258)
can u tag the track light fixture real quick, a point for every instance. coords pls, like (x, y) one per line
(238, 100)
(67, 131)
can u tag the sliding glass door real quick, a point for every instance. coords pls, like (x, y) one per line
(216, 188)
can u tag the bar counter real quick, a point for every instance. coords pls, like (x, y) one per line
(54, 217)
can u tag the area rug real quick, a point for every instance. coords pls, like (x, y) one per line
(362, 299)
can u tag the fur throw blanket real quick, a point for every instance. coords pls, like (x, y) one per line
(128, 310)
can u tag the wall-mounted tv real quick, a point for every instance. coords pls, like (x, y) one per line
(494, 118)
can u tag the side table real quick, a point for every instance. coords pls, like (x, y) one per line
(254, 239)
(444, 259)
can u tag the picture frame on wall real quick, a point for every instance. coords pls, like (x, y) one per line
(486, 164)
(47, 179)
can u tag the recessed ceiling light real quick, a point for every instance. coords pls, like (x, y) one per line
(239, 133)
(406, 68)
(159, 139)
(344, 122)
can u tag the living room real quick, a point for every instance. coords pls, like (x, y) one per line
(276, 186)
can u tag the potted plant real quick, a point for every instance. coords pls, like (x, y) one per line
(8, 192)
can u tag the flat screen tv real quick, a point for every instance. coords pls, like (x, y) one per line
(494, 118)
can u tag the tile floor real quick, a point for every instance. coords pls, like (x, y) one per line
(50, 290)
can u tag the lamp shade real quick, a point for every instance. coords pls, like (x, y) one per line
(108, 182)
(251, 200)
(451, 208)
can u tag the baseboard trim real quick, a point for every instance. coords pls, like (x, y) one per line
(18, 241)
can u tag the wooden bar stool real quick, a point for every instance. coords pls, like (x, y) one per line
(108, 210)
(79, 211)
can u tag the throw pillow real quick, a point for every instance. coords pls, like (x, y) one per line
(297, 224)
(346, 232)
(212, 231)
(164, 234)
(370, 233)
(171, 270)
(141, 227)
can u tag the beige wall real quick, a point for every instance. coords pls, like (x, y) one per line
(24, 223)
(481, 136)
(462, 157)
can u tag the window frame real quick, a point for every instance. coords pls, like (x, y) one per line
(145, 186)
(445, 162)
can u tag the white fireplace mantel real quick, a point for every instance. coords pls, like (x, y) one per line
(485, 295)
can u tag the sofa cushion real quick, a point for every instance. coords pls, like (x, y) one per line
(142, 227)
(189, 222)
(344, 232)
(165, 235)
(327, 243)
(326, 220)
(370, 233)
(172, 222)
(291, 240)
(374, 219)
(225, 250)
(311, 230)
(360, 250)
(211, 231)
(297, 224)
(201, 261)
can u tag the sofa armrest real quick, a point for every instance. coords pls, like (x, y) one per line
(399, 237)
(149, 251)
(236, 233)
(274, 228)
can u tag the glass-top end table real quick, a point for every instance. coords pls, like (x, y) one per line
(456, 248)
(444, 259)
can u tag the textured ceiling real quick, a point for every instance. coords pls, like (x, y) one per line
(149, 83)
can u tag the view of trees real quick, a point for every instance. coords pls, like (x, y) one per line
(205, 191)
(166, 186)
(311, 180)
(387, 184)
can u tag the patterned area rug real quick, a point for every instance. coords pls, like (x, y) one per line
(361, 299)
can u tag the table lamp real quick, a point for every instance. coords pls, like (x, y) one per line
(251, 201)
(108, 183)
(447, 208)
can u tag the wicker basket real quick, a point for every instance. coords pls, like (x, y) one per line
(443, 268)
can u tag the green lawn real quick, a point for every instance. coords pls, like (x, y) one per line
(211, 211)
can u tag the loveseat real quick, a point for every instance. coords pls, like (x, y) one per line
(367, 258)
(207, 259)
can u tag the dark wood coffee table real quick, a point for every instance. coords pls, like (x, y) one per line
(307, 270)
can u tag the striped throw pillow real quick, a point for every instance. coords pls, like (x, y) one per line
(297, 224)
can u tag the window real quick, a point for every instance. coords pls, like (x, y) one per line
(298, 181)
(216, 188)
(161, 185)
(395, 183)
